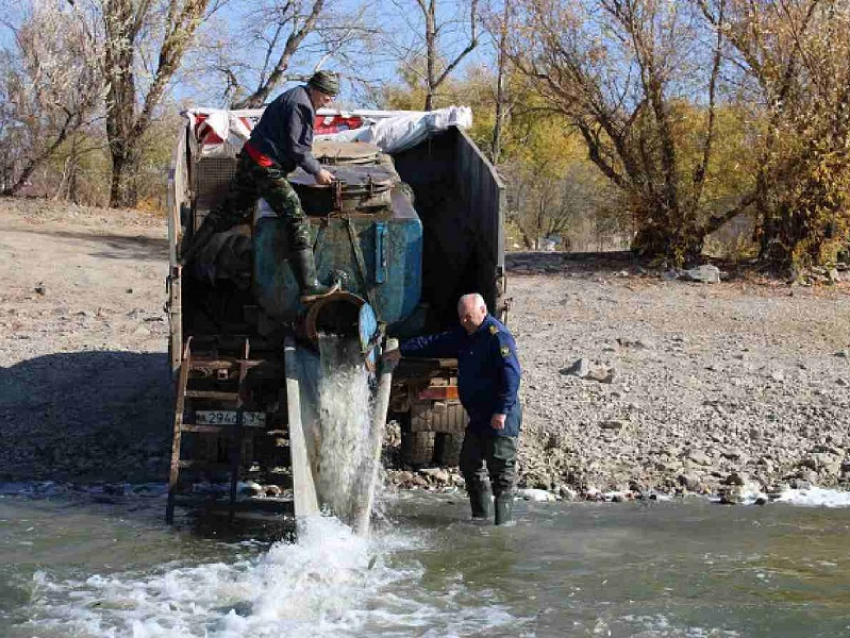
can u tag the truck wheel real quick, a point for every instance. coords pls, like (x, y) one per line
(417, 448)
(447, 449)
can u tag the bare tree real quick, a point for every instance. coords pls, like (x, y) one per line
(500, 30)
(50, 89)
(434, 40)
(273, 42)
(620, 71)
(546, 203)
(134, 32)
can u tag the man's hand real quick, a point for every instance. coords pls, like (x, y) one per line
(324, 178)
(497, 422)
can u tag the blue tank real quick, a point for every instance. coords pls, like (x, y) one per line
(377, 254)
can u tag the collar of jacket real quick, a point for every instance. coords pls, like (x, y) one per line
(488, 321)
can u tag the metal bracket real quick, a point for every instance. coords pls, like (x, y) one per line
(380, 252)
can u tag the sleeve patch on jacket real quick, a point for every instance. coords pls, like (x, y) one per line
(493, 330)
(506, 351)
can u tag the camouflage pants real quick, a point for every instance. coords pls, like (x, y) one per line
(498, 453)
(252, 182)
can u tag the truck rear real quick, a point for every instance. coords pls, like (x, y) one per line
(421, 229)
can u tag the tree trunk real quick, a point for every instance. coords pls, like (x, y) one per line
(125, 164)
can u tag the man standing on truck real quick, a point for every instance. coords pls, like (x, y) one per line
(281, 141)
(488, 383)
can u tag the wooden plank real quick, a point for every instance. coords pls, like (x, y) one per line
(303, 482)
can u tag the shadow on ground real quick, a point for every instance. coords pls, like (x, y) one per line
(137, 247)
(87, 417)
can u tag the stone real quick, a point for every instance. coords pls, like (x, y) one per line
(733, 495)
(612, 424)
(41, 289)
(699, 457)
(706, 273)
(567, 493)
(536, 495)
(733, 454)
(602, 375)
(580, 368)
(640, 344)
(735, 479)
(690, 482)
(844, 354)
(778, 376)
(554, 442)
(670, 275)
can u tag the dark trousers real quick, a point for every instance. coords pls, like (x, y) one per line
(251, 182)
(494, 455)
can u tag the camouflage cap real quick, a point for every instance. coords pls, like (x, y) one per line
(325, 81)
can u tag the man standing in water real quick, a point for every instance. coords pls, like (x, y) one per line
(281, 142)
(488, 383)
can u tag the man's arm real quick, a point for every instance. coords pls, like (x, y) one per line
(443, 344)
(299, 142)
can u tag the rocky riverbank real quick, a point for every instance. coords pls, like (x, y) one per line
(636, 381)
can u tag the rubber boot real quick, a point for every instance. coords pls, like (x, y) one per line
(504, 509)
(304, 268)
(479, 500)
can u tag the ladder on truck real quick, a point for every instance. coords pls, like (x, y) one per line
(214, 386)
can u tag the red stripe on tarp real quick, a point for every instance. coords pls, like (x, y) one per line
(328, 124)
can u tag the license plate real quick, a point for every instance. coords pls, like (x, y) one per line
(228, 417)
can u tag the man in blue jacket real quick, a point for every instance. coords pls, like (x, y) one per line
(488, 383)
(281, 142)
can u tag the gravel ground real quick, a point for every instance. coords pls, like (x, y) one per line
(711, 388)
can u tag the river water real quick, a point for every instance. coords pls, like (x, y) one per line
(71, 565)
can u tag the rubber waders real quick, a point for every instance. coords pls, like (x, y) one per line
(304, 268)
(504, 509)
(480, 502)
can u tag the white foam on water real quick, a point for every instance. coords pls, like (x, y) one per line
(330, 583)
(345, 413)
(815, 497)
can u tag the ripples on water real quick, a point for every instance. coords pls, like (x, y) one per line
(663, 570)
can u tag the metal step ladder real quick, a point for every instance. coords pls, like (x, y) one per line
(213, 384)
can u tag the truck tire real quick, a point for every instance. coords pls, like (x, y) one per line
(447, 449)
(417, 448)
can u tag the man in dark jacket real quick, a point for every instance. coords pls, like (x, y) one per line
(281, 141)
(488, 384)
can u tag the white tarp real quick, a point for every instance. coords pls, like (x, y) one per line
(401, 131)
(392, 131)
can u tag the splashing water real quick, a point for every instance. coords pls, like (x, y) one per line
(345, 413)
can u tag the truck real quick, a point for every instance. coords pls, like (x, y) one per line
(409, 226)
